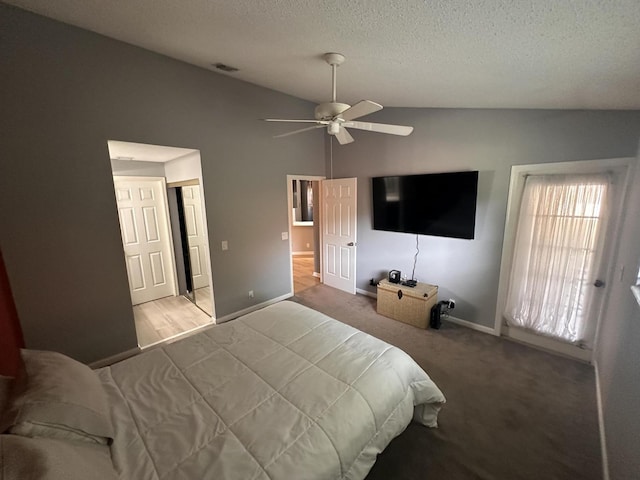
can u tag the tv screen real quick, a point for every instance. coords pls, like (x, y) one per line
(440, 204)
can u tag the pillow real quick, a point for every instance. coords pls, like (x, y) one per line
(49, 459)
(58, 397)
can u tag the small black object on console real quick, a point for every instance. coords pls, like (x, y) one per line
(394, 276)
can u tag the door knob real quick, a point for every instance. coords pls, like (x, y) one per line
(351, 244)
(598, 283)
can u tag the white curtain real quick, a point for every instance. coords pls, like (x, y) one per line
(556, 254)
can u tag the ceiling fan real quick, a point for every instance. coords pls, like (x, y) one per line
(338, 116)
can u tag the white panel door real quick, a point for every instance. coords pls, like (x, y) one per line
(142, 210)
(196, 236)
(339, 233)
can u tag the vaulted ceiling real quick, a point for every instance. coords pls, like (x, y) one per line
(582, 54)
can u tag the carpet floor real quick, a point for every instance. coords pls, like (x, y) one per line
(512, 412)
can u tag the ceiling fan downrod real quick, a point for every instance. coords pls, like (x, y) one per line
(335, 60)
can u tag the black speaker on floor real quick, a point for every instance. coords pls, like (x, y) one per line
(436, 314)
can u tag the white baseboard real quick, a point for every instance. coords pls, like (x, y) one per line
(603, 437)
(457, 321)
(366, 293)
(316, 274)
(253, 308)
(471, 325)
(178, 336)
(115, 358)
(547, 344)
(305, 253)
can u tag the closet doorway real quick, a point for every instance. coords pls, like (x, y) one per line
(173, 309)
(192, 247)
(304, 231)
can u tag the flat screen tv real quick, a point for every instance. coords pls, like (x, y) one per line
(440, 204)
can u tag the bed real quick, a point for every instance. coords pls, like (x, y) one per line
(283, 392)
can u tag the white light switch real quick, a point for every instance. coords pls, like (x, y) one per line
(285, 235)
(225, 245)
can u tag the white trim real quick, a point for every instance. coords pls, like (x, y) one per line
(316, 274)
(471, 325)
(516, 185)
(115, 358)
(603, 437)
(177, 336)
(366, 293)
(253, 308)
(302, 253)
(548, 344)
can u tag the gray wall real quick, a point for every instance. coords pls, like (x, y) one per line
(618, 353)
(300, 236)
(490, 141)
(65, 92)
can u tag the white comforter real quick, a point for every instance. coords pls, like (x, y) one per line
(282, 393)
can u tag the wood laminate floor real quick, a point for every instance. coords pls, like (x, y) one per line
(203, 299)
(303, 273)
(169, 316)
(166, 317)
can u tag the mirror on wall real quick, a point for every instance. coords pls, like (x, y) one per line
(302, 201)
(636, 288)
(197, 284)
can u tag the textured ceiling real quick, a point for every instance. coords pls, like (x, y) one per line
(145, 153)
(581, 54)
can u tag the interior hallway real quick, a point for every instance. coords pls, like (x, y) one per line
(303, 273)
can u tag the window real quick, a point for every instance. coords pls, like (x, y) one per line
(556, 255)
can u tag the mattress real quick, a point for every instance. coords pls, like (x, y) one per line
(282, 393)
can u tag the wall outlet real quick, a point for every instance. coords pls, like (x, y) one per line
(250, 293)
(225, 245)
(285, 235)
(308, 244)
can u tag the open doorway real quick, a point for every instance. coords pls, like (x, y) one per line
(304, 231)
(167, 300)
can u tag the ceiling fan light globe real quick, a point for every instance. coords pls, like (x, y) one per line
(333, 128)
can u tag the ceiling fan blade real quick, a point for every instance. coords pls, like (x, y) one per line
(298, 131)
(289, 120)
(344, 136)
(360, 109)
(380, 127)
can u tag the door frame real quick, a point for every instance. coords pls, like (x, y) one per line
(316, 218)
(622, 167)
(166, 225)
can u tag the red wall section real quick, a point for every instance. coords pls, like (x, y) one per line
(10, 332)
